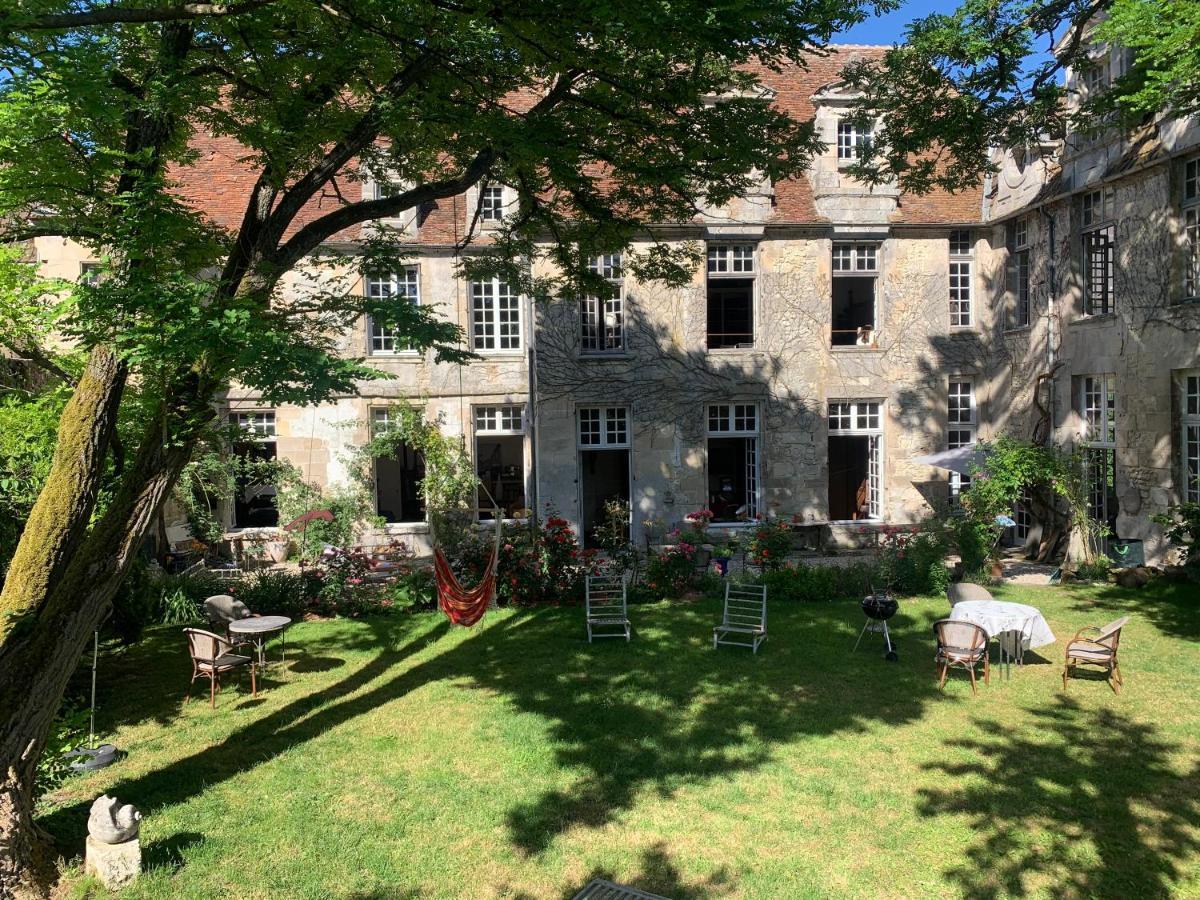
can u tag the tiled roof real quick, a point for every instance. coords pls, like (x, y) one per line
(220, 178)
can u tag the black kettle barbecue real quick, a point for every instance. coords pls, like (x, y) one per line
(878, 607)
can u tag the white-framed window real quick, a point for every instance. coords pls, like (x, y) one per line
(962, 420)
(851, 140)
(89, 273)
(730, 296)
(1190, 424)
(1098, 410)
(491, 204)
(402, 286)
(603, 427)
(500, 457)
(495, 316)
(258, 424)
(855, 459)
(855, 274)
(961, 279)
(506, 418)
(1098, 235)
(733, 461)
(1023, 517)
(1018, 274)
(602, 318)
(1190, 210)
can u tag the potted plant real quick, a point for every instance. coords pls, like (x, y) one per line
(722, 554)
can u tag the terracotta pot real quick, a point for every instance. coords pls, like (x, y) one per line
(277, 551)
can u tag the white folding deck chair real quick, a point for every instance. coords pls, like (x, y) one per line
(607, 607)
(745, 616)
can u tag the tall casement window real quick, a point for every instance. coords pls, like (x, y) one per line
(254, 500)
(1190, 444)
(400, 287)
(1099, 247)
(960, 279)
(1018, 274)
(495, 316)
(491, 204)
(1190, 208)
(500, 458)
(398, 476)
(855, 272)
(604, 464)
(1098, 410)
(851, 141)
(962, 422)
(855, 459)
(602, 317)
(733, 461)
(730, 296)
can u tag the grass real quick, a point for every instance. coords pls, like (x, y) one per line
(400, 757)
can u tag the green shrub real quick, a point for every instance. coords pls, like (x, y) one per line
(1181, 526)
(770, 545)
(669, 573)
(68, 732)
(411, 591)
(275, 592)
(136, 605)
(810, 584)
(974, 541)
(915, 563)
(1096, 570)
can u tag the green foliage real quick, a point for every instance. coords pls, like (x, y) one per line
(915, 563)
(612, 535)
(450, 486)
(1181, 525)
(799, 583)
(351, 508)
(1058, 474)
(275, 592)
(28, 433)
(973, 540)
(770, 545)
(412, 591)
(1095, 570)
(538, 564)
(67, 733)
(671, 571)
(979, 77)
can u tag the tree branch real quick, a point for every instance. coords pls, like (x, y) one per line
(114, 15)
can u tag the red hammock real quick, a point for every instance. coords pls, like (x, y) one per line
(462, 606)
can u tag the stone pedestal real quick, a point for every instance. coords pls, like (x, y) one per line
(116, 865)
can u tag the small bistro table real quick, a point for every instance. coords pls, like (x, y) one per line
(1015, 626)
(259, 630)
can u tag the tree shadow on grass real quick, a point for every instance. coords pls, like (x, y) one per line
(1089, 807)
(1173, 607)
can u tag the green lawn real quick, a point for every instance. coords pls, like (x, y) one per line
(401, 757)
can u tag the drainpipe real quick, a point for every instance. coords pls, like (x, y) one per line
(535, 431)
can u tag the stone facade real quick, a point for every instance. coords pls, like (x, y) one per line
(669, 372)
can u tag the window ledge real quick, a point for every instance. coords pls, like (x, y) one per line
(1102, 318)
(398, 357)
(598, 356)
(965, 329)
(730, 351)
(500, 354)
(1019, 329)
(404, 528)
(856, 348)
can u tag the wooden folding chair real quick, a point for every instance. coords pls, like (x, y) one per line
(745, 616)
(607, 607)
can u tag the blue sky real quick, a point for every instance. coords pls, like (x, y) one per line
(889, 28)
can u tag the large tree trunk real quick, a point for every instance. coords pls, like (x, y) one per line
(36, 662)
(58, 522)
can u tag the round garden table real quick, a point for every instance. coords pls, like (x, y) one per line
(1015, 626)
(259, 630)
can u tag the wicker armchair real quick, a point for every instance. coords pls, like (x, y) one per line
(213, 656)
(961, 644)
(1100, 651)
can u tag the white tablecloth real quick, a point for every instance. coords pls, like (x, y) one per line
(999, 617)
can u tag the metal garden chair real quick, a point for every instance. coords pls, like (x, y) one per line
(965, 590)
(1098, 651)
(961, 644)
(607, 607)
(212, 657)
(745, 616)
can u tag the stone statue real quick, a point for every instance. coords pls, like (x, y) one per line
(111, 822)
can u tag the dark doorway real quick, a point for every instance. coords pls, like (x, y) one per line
(254, 505)
(732, 478)
(604, 476)
(730, 312)
(849, 477)
(853, 309)
(398, 486)
(500, 465)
